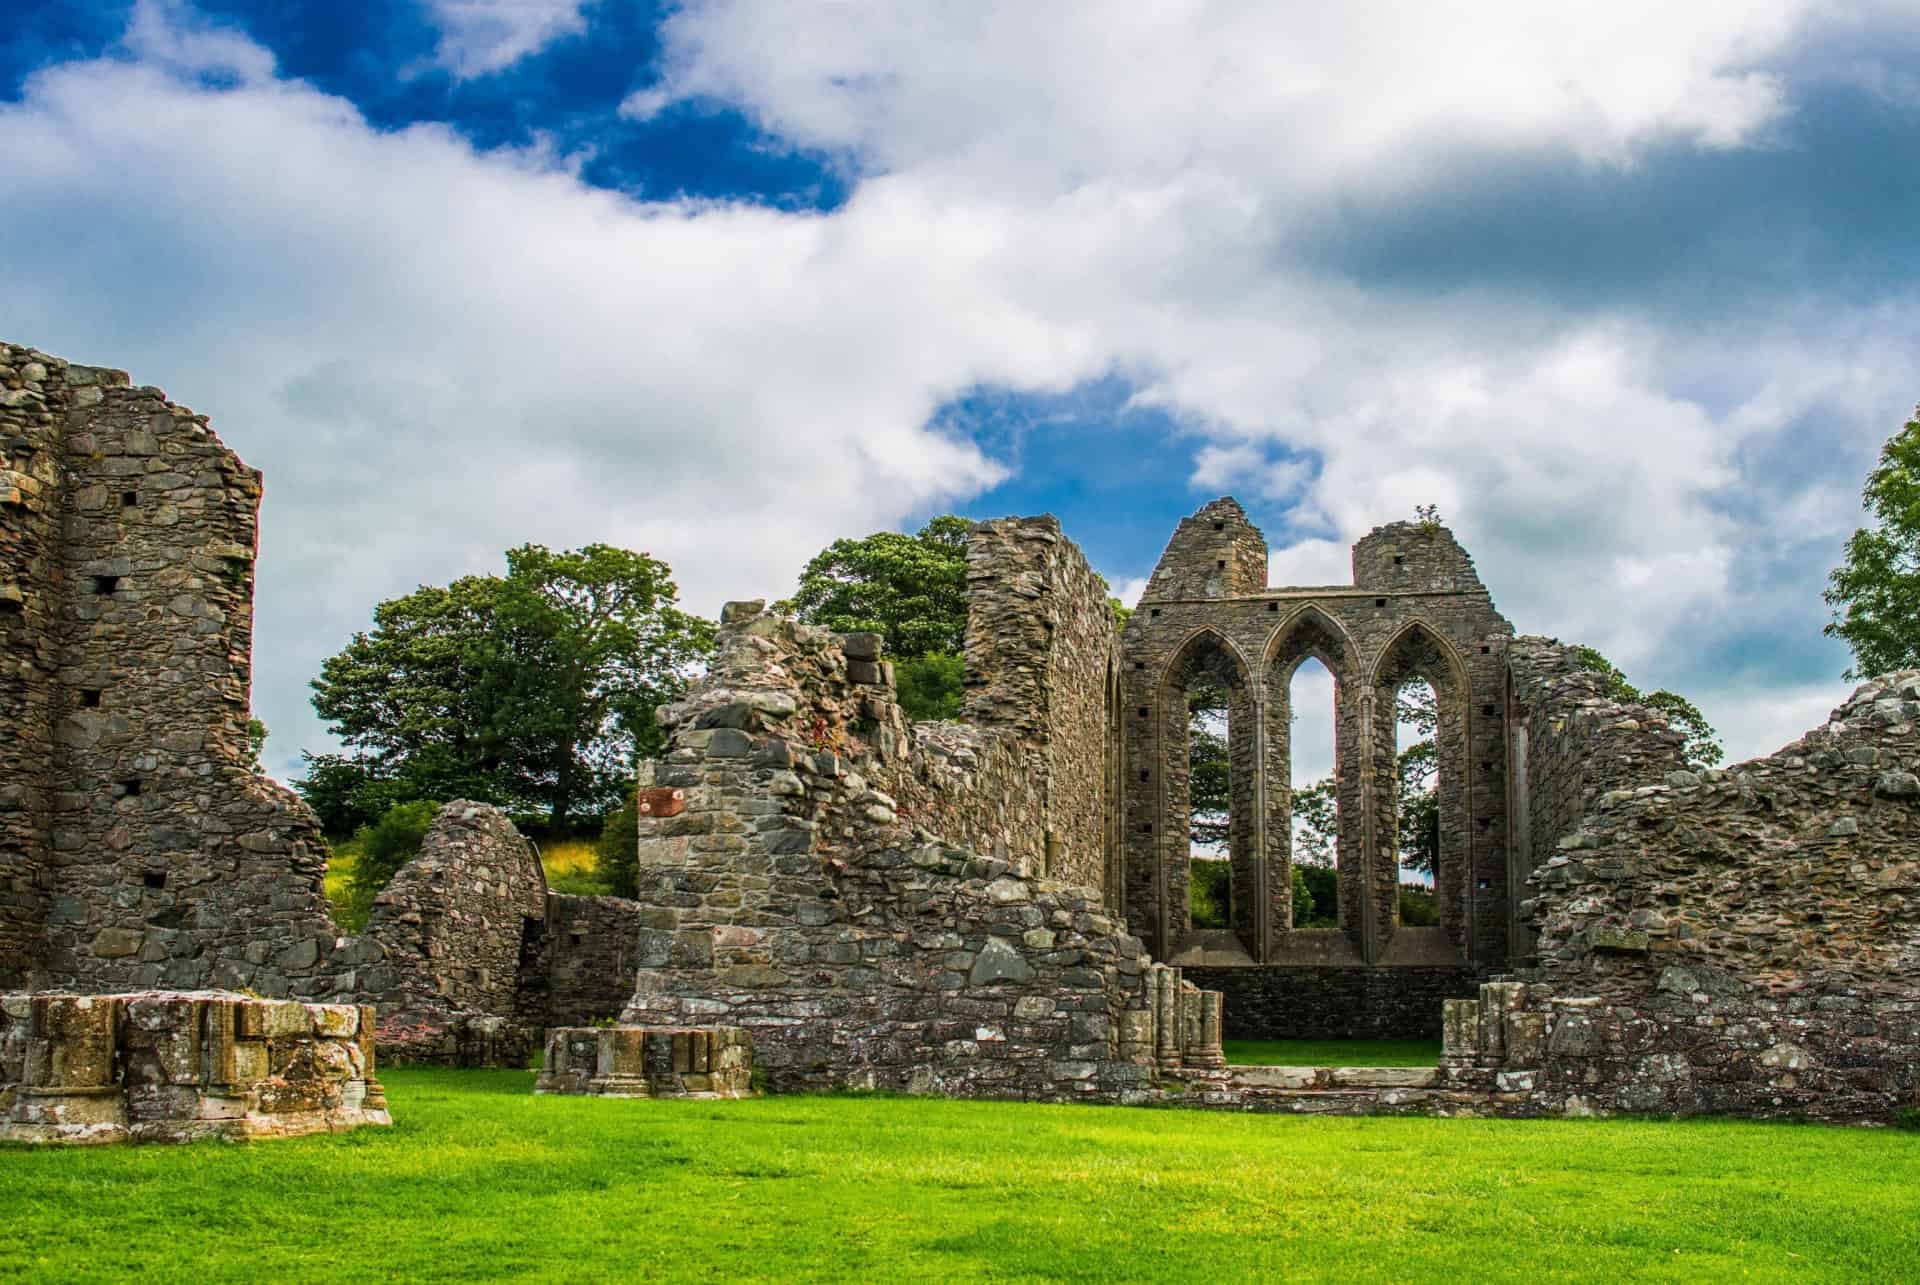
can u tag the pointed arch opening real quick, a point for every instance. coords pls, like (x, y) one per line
(1210, 890)
(1314, 852)
(1419, 890)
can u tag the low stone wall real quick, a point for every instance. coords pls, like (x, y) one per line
(1286, 1002)
(171, 1066)
(648, 1062)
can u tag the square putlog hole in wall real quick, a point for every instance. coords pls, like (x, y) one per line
(90, 698)
(129, 499)
(106, 584)
(155, 879)
(130, 788)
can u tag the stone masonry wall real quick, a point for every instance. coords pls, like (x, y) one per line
(586, 972)
(162, 859)
(1042, 657)
(455, 928)
(33, 410)
(1579, 742)
(860, 947)
(1748, 939)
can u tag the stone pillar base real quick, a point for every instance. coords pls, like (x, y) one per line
(648, 1062)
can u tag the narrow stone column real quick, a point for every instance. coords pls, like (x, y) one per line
(1166, 1016)
(1459, 1031)
(1210, 1008)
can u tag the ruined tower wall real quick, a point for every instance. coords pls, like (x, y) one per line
(861, 946)
(34, 395)
(168, 862)
(1042, 654)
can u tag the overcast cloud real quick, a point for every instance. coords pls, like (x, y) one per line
(1630, 296)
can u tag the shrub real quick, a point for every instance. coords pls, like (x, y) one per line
(1908, 1119)
(929, 686)
(617, 850)
(1417, 906)
(390, 843)
(1210, 892)
(1323, 909)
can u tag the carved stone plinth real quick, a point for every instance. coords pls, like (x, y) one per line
(648, 1062)
(174, 1066)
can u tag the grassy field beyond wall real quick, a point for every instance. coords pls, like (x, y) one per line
(479, 1179)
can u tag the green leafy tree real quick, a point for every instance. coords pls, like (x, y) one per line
(1875, 591)
(909, 589)
(256, 744)
(1209, 774)
(534, 689)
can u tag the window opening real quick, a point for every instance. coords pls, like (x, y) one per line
(1417, 787)
(1210, 806)
(1313, 775)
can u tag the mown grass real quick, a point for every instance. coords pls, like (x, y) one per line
(1331, 1052)
(479, 1179)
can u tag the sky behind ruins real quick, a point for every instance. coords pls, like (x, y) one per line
(1629, 295)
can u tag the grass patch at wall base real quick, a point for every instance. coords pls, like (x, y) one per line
(480, 1179)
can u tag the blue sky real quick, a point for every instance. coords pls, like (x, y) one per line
(1629, 291)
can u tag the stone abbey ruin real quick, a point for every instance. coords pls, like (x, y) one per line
(835, 897)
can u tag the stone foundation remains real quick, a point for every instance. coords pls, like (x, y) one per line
(648, 1062)
(168, 1066)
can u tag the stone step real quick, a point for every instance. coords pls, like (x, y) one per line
(1334, 1077)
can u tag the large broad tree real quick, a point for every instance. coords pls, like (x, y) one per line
(532, 689)
(1875, 591)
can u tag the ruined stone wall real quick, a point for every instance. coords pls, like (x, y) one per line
(34, 398)
(1042, 658)
(1576, 743)
(586, 972)
(163, 859)
(1747, 939)
(860, 946)
(458, 926)
(1288, 1002)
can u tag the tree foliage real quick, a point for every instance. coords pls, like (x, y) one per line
(532, 689)
(1875, 591)
(930, 686)
(909, 589)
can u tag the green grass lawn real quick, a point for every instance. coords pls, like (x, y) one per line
(480, 1179)
(1331, 1052)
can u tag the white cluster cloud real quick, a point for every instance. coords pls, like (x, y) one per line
(481, 36)
(436, 352)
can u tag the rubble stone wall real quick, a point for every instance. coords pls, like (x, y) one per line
(1746, 939)
(1573, 743)
(1283, 1002)
(860, 947)
(34, 397)
(592, 953)
(163, 859)
(1042, 662)
(458, 926)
